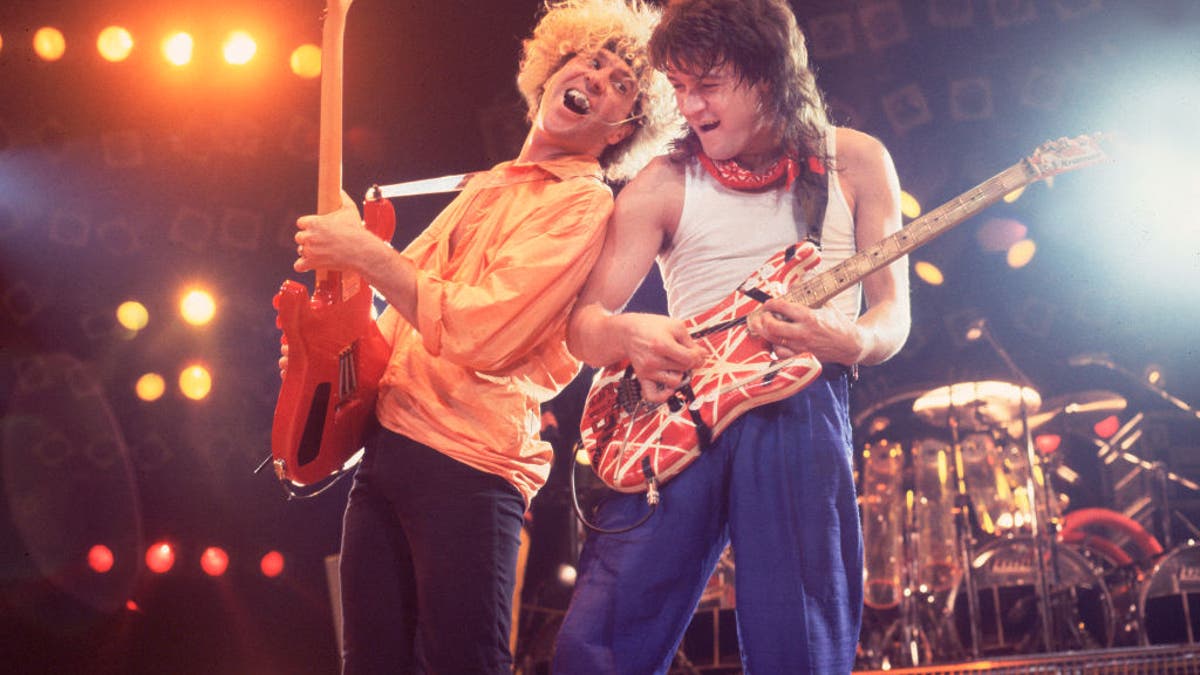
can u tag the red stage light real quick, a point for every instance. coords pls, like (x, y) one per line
(160, 557)
(100, 558)
(214, 561)
(1106, 427)
(132, 606)
(272, 564)
(1047, 443)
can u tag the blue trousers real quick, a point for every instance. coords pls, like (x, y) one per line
(778, 484)
(429, 556)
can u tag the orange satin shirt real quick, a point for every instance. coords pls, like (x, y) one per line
(499, 270)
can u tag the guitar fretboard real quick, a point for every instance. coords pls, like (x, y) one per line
(819, 289)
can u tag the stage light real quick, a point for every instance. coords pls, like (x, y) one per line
(160, 557)
(49, 43)
(1047, 443)
(100, 558)
(1106, 427)
(306, 61)
(150, 387)
(239, 48)
(999, 234)
(114, 44)
(909, 206)
(214, 561)
(177, 48)
(1, 43)
(1020, 253)
(272, 564)
(929, 273)
(132, 606)
(133, 315)
(195, 382)
(1153, 374)
(197, 307)
(567, 574)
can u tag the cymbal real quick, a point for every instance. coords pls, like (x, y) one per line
(976, 406)
(1070, 411)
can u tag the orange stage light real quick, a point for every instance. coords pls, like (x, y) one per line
(49, 43)
(177, 48)
(195, 382)
(114, 44)
(239, 48)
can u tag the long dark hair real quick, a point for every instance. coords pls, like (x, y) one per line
(761, 40)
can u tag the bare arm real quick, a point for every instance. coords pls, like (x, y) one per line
(868, 179)
(657, 346)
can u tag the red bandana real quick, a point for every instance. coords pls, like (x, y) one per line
(735, 177)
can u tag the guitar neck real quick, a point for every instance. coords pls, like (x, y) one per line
(816, 291)
(329, 148)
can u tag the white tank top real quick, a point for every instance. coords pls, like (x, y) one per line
(724, 235)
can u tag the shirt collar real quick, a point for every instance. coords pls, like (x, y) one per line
(572, 166)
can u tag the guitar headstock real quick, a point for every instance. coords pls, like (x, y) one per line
(337, 9)
(1066, 154)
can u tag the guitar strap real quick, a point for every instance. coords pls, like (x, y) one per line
(811, 192)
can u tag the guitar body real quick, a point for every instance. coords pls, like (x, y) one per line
(630, 440)
(336, 357)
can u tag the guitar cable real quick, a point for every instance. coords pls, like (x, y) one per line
(652, 499)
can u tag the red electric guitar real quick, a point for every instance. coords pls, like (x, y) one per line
(633, 443)
(336, 355)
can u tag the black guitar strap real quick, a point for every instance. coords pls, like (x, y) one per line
(811, 191)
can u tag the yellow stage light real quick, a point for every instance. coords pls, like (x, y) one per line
(306, 61)
(150, 387)
(195, 382)
(1020, 253)
(177, 48)
(197, 307)
(1014, 195)
(929, 273)
(49, 43)
(133, 315)
(909, 206)
(239, 48)
(114, 44)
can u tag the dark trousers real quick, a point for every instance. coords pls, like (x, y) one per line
(779, 485)
(428, 565)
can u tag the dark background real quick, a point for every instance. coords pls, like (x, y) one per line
(130, 180)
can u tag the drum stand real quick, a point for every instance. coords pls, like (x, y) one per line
(966, 537)
(1044, 544)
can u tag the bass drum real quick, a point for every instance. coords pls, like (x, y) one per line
(1169, 599)
(1005, 576)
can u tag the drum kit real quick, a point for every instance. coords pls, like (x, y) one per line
(973, 547)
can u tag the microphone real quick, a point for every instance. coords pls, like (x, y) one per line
(1091, 359)
(975, 330)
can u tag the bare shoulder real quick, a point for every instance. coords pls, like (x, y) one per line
(654, 198)
(858, 150)
(864, 167)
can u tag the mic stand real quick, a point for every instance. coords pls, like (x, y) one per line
(1035, 501)
(1152, 388)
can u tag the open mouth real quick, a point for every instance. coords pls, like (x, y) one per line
(709, 127)
(576, 102)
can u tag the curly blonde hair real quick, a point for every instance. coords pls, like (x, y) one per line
(571, 27)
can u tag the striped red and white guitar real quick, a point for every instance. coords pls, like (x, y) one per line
(634, 444)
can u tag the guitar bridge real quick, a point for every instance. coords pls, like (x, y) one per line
(629, 392)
